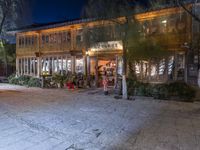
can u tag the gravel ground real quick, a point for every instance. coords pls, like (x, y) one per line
(55, 119)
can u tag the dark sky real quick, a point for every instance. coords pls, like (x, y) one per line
(44, 11)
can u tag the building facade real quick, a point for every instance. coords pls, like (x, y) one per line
(59, 47)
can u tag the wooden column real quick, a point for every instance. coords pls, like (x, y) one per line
(24, 66)
(45, 63)
(141, 70)
(157, 70)
(34, 72)
(62, 65)
(73, 62)
(17, 66)
(84, 65)
(57, 64)
(39, 65)
(185, 67)
(175, 67)
(166, 69)
(88, 66)
(21, 66)
(149, 70)
(66, 58)
(50, 65)
(53, 65)
(31, 66)
(27, 63)
(96, 72)
(116, 70)
(27, 66)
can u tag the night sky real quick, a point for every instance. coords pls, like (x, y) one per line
(44, 11)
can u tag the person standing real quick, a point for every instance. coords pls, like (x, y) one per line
(105, 83)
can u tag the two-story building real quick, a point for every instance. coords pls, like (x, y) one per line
(59, 47)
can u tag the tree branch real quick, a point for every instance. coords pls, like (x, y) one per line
(2, 23)
(189, 12)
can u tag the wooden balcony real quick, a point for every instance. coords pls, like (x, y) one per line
(172, 41)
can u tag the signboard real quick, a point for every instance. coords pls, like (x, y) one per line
(111, 45)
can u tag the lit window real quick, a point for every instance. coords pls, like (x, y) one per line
(29, 40)
(68, 36)
(43, 39)
(47, 38)
(64, 36)
(20, 41)
(32, 40)
(55, 37)
(26, 41)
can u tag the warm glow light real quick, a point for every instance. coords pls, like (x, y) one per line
(87, 53)
(164, 21)
(110, 45)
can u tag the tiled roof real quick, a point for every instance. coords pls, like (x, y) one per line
(35, 27)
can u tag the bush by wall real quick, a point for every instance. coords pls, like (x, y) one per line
(25, 81)
(172, 91)
(14, 80)
(34, 82)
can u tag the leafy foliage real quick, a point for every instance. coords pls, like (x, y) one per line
(34, 82)
(24, 81)
(14, 80)
(59, 79)
(172, 91)
(11, 14)
(7, 55)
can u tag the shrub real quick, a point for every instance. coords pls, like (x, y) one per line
(59, 79)
(160, 91)
(176, 90)
(131, 86)
(14, 80)
(11, 77)
(23, 80)
(138, 88)
(182, 91)
(34, 82)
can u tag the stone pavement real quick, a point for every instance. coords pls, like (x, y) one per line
(46, 119)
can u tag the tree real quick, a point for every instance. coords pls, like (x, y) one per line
(10, 17)
(7, 56)
(109, 11)
(135, 46)
(143, 47)
(181, 3)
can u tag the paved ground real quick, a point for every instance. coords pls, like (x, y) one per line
(36, 119)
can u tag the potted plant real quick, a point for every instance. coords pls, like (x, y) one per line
(59, 79)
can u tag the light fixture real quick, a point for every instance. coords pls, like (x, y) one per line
(87, 53)
(164, 21)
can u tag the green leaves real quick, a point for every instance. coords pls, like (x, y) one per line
(141, 46)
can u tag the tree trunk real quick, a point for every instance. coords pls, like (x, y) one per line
(149, 71)
(124, 84)
(2, 23)
(5, 62)
(189, 12)
(124, 70)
